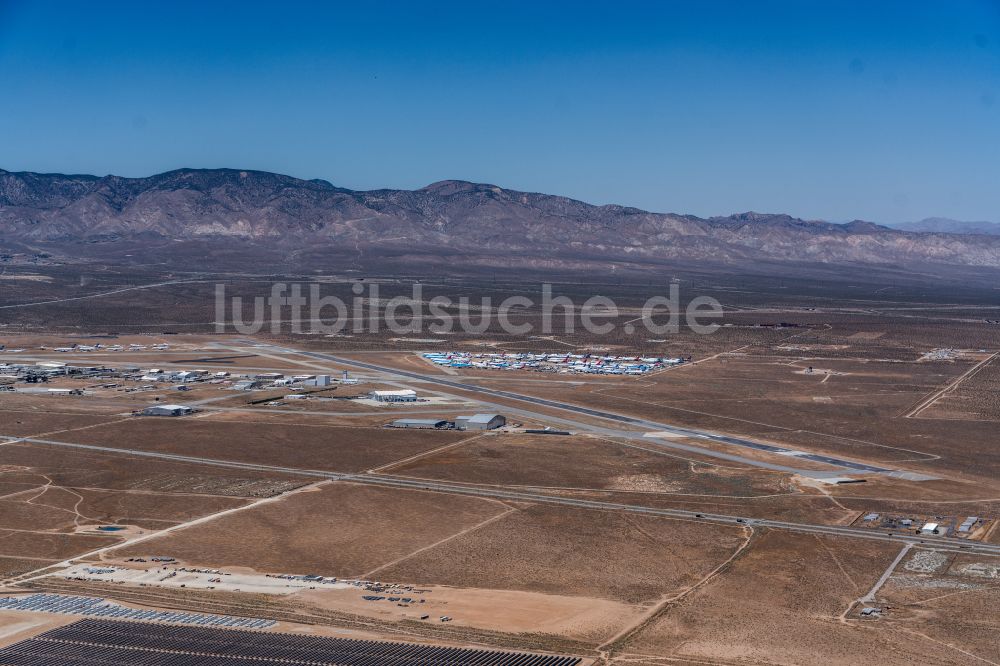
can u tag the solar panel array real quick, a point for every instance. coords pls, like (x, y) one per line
(92, 642)
(95, 607)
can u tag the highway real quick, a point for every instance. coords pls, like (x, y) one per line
(850, 466)
(937, 543)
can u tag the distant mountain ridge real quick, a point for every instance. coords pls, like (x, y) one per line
(945, 225)
(240, 217)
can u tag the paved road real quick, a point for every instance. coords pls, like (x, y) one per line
(870, 597)
(848, 465)
(939, 543)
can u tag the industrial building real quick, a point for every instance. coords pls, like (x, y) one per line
(421, 424)
(186, 375)
(403, 395)
(318, 380)
(933, 528)
(968, 524)
(167, 410)
(246, 385)
(480, 422)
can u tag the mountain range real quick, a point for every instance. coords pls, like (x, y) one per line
(259, 221)
(945, 225)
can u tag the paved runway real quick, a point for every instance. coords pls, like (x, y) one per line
(850, 466)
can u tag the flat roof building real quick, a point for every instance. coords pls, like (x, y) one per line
(403, 395)
(246, 385)
(420, 424)
(480, 422)
(968, 524)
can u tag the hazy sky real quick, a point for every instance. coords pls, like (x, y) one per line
(885, 111)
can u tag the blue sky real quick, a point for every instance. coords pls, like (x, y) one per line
(886, 111)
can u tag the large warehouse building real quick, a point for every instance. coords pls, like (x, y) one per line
(420, 424)
(403, 395)
(480, 422)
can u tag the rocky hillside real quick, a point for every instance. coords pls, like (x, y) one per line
(235, 216)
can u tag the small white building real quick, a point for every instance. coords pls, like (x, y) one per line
(167, 410)
(402, 395)
(929, 528)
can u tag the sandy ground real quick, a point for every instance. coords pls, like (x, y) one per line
(505, 610)
(18, 625)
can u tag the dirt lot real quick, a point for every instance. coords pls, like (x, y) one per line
(975, 398)
(949, 598)
(34, 465)
(339, 530)
(780, 603)
(590, 463)
(17, 626)
(287, 445)
(585, 619)
(38, 419)
(64, 510)
(567, 551)
(14, 566)
(68, 411)
(49, 546)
